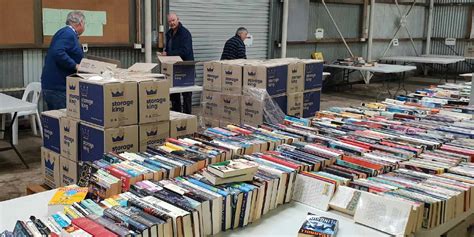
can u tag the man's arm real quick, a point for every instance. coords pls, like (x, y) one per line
(60, 54)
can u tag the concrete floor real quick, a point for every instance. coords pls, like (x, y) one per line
(14, 177)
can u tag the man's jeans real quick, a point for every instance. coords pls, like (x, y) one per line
(54, 99)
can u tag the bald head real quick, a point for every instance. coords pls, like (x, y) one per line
(173, 21)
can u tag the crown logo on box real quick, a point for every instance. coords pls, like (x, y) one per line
(118, 138)
(252, 73)
(209, 97)
(84, 89)
(181, 128)
(85, 133)
(294, 70)
(248, 103)
(152, 133)
(151, 92)
(209, 69)
(67, 129)
(228, 72)
(72, 87)
(117, 93)
(227, 101)
(66, 168)
(49, 164)
(164, 69)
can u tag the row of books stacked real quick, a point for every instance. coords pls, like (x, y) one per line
(115, 173)
(228, 97)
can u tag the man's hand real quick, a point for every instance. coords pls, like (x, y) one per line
(77, 67)
(163, 53)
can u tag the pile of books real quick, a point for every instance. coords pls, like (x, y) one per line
(238, 170)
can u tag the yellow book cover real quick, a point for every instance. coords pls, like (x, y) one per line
(173, 146)
(167, 149)
(68, 195)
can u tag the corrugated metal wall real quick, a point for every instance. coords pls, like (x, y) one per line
(32, 65)
(11, 68)
(451, 21)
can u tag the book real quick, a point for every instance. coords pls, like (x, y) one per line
(315, 225)
(313, 192)
(216, 180)
(68, 195)
(232, 168)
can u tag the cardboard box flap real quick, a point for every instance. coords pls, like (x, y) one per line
(142, 67)
(94, 66)
(85, 75)
(169, 59)
(311, 61)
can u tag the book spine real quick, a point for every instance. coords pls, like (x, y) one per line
(124, 177)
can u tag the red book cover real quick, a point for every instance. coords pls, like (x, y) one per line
(362, 163)
(319, 177)
(458, 150)
(280, 161)
(92, 228)
(122, 175)
(356, 143)
(178, 142)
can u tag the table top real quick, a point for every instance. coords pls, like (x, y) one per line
(424, 59)
(9, 104)
(446, 56)
(379, 68)
(174, 90)
(282, 221)
(466, 75)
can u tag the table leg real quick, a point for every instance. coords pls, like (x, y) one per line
(9, 129)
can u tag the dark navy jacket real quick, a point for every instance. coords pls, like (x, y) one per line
(180, 44)
(234, 48)
(63, 55)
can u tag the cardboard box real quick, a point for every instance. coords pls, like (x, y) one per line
(51, 129)
(212, 76)
(313, 74)
(94, 141)
(271, 76)
(296, 77)
(211, 104)
(252, 112)
(153, 134)
(209, 122)
(109, 103)
(232, 77)
(182, 124)
(153, 100)
(295, 104)
(282, 102)
(230, 108)
(68, 172)
(179, 72)
(50, 167)
(311, 103)
(69, 136)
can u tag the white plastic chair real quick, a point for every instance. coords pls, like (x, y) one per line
(35, 89)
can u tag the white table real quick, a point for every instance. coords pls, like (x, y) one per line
(424, 59)
(379, 68)
(466, 75)
(174, 90)
(9, 105)
(282, 221)
(443, 60)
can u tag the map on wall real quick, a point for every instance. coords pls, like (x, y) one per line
(55, 19)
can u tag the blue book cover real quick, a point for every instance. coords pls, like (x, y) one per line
(318, 226)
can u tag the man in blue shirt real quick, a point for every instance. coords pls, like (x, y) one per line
(234, 48)
(179, 42)
(62, 59)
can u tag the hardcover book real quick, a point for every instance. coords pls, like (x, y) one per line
(232, 168)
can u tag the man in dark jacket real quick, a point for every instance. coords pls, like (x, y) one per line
(234, 48)
(62, 59)
(179, 43)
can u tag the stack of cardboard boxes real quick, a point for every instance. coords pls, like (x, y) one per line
(106, 115)
(294, 84)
